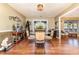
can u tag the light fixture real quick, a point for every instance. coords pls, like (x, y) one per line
(40, 7)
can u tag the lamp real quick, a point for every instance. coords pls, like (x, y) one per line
(40, 7)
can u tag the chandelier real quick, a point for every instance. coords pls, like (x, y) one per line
(40, 7)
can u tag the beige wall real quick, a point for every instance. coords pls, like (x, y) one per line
(51, 21)
(5, 12)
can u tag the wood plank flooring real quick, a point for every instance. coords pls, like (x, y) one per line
(68, 46)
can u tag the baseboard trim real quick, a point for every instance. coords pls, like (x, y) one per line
(6, 31)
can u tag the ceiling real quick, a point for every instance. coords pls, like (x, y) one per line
(72, 13)
(30, 10)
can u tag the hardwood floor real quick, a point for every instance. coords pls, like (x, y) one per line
(67, 47)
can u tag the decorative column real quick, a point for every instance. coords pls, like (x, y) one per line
(59, 30)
